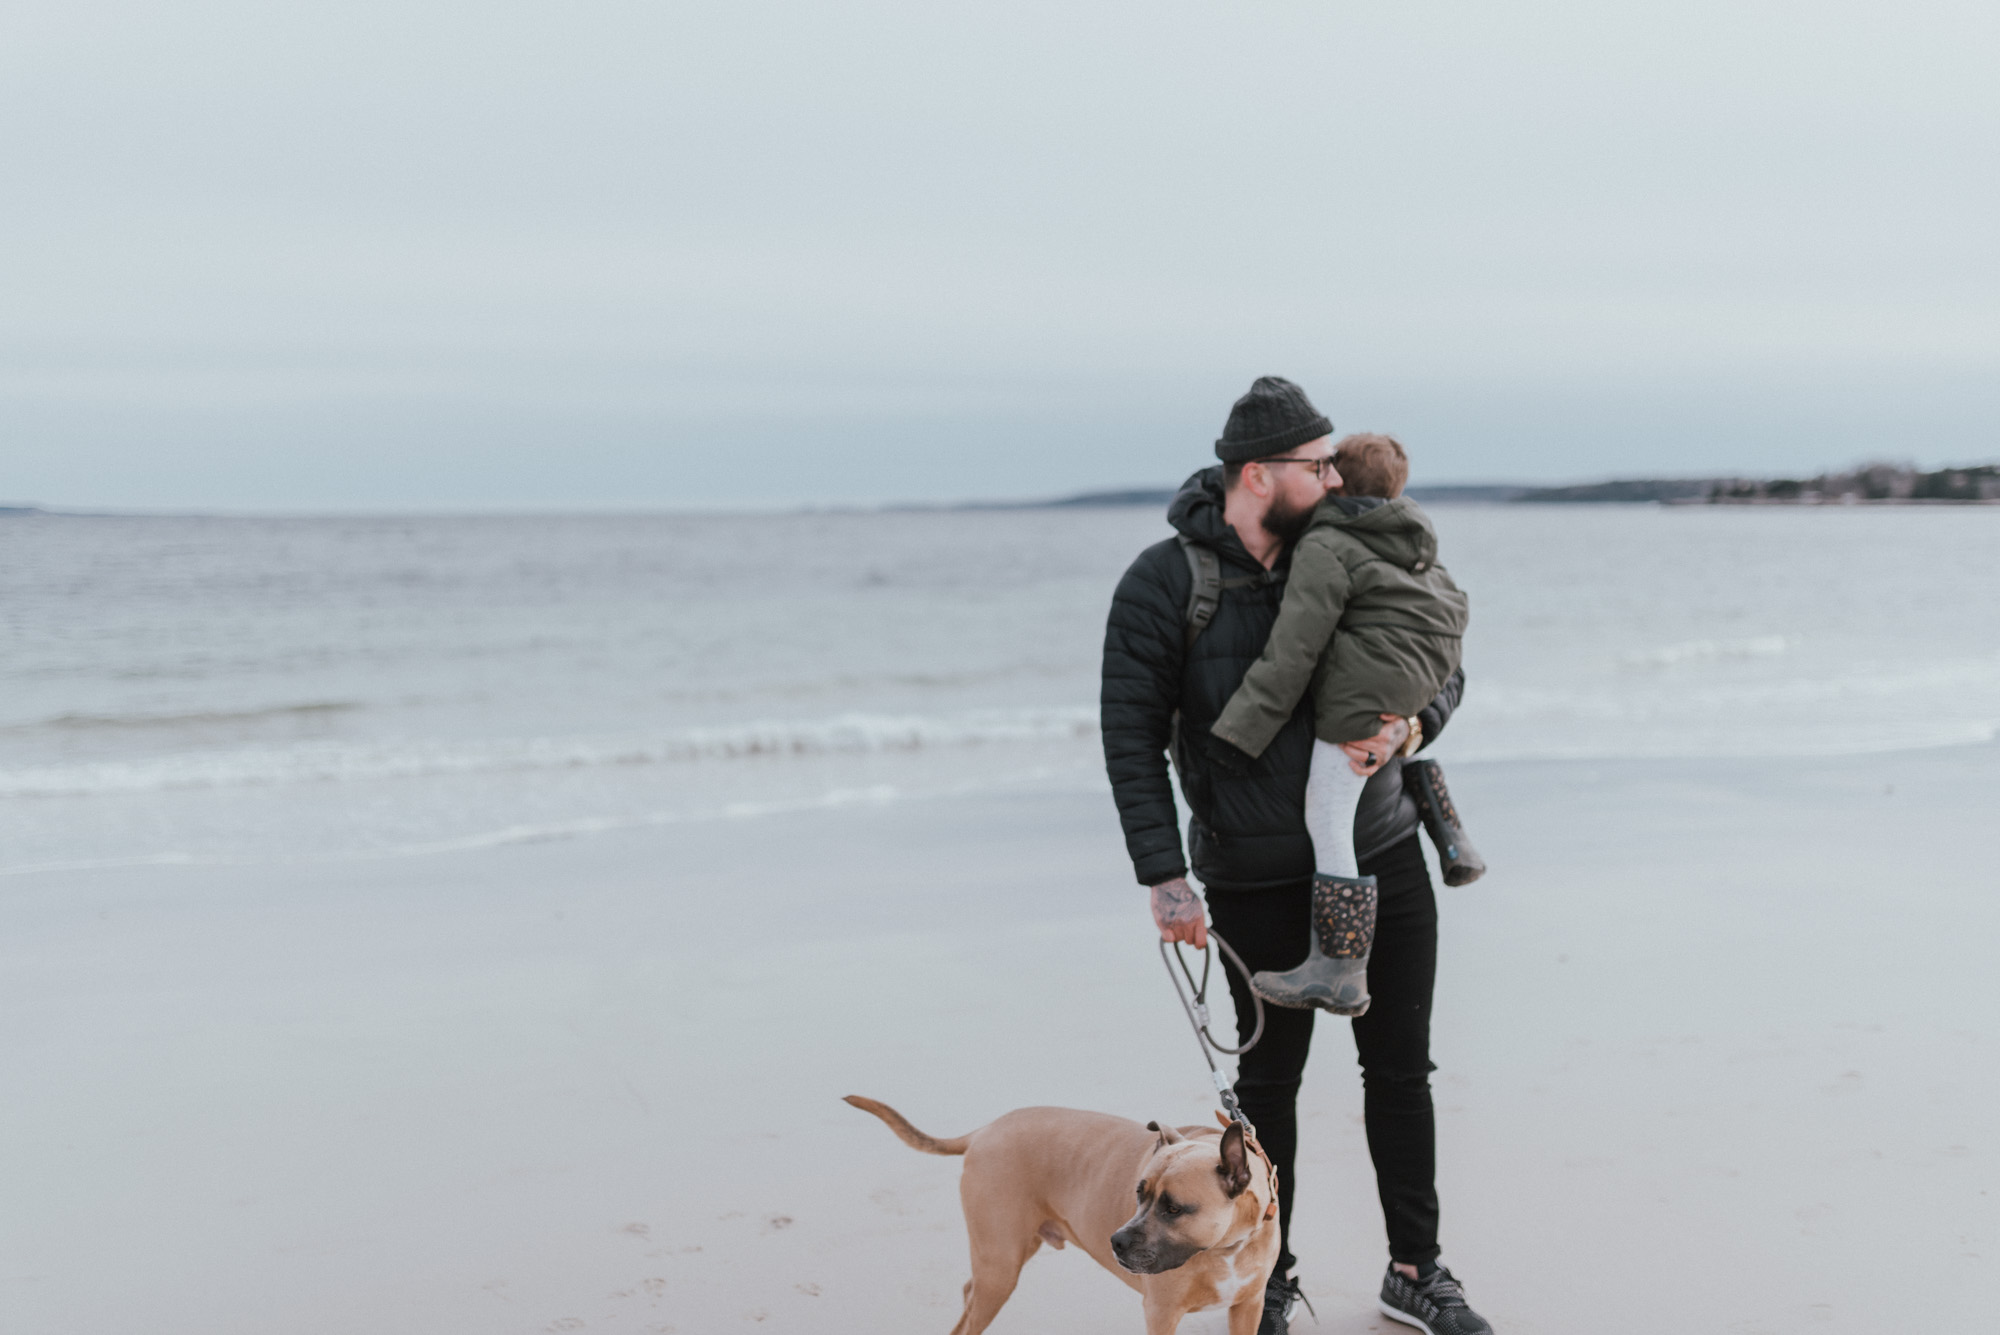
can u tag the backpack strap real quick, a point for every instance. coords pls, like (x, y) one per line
(1203, 599)
(1205, 595)
(1205, 592)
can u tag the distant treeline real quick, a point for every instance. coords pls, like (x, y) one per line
(1886, 484)
(1871, 482)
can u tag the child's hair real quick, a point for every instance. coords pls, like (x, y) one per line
(1371, 465)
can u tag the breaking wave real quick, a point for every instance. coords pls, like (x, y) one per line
(319, 762)
(200, 719)
(1703, 651)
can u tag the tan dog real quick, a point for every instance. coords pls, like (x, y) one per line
(1205, 1234)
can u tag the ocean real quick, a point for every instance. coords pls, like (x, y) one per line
(270, 690)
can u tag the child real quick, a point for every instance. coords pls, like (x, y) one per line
(1371, 624)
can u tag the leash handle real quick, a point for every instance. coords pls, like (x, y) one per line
(1197, 1005)
(1196, 1008)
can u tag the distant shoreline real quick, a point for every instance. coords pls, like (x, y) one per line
(1869, 485)
(1834, 502)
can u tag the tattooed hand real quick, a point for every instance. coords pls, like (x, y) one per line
(1365, 757)
(1177, 911)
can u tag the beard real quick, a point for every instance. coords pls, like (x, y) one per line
(1285, 521)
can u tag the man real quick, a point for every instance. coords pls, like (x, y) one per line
(1247, 832)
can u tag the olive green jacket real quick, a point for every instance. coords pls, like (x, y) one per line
(1371, 625)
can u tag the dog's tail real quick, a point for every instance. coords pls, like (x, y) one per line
(908, 1134)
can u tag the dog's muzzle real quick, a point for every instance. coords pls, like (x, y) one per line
(1142, 1256)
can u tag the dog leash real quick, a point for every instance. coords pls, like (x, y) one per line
(1198, 1016)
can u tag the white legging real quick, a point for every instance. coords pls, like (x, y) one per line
(1333, 791)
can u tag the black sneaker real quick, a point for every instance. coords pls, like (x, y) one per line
(1279, 1296)
(1435, 1305)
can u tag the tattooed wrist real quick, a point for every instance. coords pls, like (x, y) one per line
(1175, 901)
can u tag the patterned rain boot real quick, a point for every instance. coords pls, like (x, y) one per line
(1334, 976)
(1459, 860)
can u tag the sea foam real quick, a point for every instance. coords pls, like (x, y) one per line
(325, 762)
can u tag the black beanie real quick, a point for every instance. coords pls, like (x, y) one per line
(1274, 416)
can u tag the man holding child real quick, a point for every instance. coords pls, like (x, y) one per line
(1248, 834)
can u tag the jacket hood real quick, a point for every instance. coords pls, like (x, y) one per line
(1196, 513)
(1397, 531)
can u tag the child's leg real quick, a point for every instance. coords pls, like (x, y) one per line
(1334, 975)
(1333, 792)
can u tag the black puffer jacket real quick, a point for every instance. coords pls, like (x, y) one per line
(1246, 832)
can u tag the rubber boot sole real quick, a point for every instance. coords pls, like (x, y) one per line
(1339, 991)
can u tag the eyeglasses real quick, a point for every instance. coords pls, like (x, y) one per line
(1320, 467)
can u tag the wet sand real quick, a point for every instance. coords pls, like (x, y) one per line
(1716, 1046)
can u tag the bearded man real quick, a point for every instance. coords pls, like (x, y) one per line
(1247, 832)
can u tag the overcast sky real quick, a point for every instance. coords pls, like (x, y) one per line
(404, 256)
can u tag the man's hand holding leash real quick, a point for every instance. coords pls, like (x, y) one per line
(1178, 912)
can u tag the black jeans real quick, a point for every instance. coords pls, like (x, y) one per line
(1393, 1041)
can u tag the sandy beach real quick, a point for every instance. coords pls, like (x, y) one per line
(1718, 1035)
(567, 574)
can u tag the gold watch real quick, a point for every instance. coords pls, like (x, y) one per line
(1416, 738)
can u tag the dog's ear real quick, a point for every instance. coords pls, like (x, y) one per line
(1234, 1170)
(1168, 1136)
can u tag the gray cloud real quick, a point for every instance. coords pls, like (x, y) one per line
(521, 255)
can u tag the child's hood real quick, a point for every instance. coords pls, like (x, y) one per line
(1396, 530)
